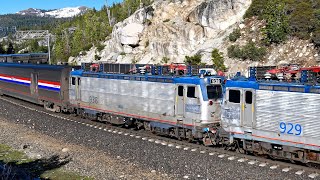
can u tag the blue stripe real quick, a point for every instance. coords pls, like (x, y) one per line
(17, 82)
(28, 84)
(49, 88)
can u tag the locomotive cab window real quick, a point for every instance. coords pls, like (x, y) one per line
(234, 96)
(249, 97)
(214, 92)
(180, 90)
(73, 81)
(192, 93)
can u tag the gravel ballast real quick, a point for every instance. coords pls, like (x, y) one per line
(105, 155)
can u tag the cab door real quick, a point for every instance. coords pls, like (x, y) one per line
(248, 107)
(180, 106)
(78, 91)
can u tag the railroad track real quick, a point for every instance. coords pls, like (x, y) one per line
(184, 146)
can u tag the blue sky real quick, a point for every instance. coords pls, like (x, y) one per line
(13, 6)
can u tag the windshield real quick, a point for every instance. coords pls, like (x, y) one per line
(214, 92)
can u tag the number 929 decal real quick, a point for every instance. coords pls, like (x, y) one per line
(291, 129)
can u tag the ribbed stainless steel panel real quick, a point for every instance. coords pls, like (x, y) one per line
(139, 96)
(274, 107)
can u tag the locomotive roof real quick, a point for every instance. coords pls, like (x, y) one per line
(273, 86)
(153, 78)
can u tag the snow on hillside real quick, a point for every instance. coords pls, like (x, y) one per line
(57, 13)
(67, 12)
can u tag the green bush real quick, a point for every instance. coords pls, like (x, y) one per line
(166, 20)
(235, 35)
(165, 60)
(96, 57)
(193, 60)
(249, 51)
(316, 38)
(234, 51)
(100, 47)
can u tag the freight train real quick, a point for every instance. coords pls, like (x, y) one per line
(273, 118)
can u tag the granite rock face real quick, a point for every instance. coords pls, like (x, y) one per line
(172, 29)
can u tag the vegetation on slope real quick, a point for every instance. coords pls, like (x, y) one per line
(300, 18)
(28, 22)
(90, 29)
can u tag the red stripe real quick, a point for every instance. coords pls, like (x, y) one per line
(49, 82)
(16, 77)
(29, 79)
(133, 115)
(294, 142)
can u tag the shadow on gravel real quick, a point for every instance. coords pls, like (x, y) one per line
(31, 170)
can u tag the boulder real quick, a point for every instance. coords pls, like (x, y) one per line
(130, 34)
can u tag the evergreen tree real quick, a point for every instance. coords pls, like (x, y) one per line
(2, 51)
(217, 60)
(302, 20)
(10, 49)
(277, 27)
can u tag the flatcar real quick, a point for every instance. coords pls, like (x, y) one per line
(274, 118)
(41, 84)
(179, 106)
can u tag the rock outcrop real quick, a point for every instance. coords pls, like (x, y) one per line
(172, 29)
(178, 28)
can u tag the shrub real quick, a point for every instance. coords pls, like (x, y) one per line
(96, 57)
(249, 51)
(122, 53)
(165, 60)
(147, 43)
(193, 60)
(234, 51)
(316, 38)
(100, 47)
(235, 35)
(166, 20)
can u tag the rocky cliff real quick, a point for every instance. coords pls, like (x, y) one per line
(172, 29)
(177, 28)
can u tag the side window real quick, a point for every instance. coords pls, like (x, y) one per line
(180, 90)
(191, 92)
(248, 97)
(234, 96)
(73, 81)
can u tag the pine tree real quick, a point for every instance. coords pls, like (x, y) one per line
(10, 49)
(277, 27)
(217, 60)
(2, 51)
